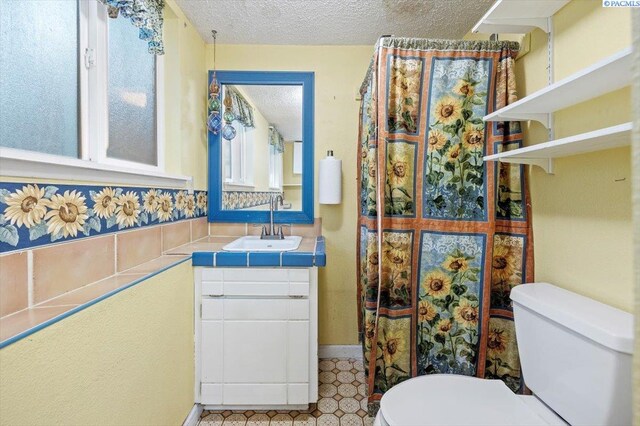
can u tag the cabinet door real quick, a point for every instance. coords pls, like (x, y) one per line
(255, 351)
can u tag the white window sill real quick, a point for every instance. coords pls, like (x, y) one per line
(231, 186)
(19, 163)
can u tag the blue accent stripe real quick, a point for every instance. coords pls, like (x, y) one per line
(84, 306)
(264, 259)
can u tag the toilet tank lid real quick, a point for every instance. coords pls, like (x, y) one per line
(601, 323)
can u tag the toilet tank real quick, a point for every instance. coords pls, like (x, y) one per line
(575, 354)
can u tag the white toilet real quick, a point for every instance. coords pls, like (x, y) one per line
(575, 356)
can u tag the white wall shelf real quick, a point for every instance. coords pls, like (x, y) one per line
(542, 154)
(518, 16)
(610, 74)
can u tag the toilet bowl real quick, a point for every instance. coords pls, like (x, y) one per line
(575, 353)
(449, 399)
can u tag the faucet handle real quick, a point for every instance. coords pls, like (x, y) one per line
(280, 233)
(263, 232)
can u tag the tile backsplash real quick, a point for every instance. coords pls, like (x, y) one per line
(32, 215)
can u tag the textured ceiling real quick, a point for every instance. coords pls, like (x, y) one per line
(333, 22)
(280, 105)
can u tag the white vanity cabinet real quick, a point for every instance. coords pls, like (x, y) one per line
(256, 337)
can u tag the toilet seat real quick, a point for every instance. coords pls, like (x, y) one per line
(447, 399)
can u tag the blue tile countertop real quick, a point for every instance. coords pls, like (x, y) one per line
(208, 252)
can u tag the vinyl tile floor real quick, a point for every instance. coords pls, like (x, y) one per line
(342, 402)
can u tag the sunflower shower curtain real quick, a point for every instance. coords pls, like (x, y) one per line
(443, 236)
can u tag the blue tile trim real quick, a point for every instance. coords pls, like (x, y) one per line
(203, 258)
(264, 259)
(84, 306)
(297, 258)
(225, 258)
(247, 259)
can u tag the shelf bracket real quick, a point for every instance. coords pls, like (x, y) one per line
(541, 117)
(517, 23)
(545, 164)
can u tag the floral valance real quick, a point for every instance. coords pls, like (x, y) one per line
(144, 14)
(241, 108)
(275, 139)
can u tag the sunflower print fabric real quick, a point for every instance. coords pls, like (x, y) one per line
(443, 236)
(36, 214)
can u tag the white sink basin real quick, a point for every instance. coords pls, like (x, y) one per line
(254, 243)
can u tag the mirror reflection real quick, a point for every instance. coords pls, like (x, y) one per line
(264, 158)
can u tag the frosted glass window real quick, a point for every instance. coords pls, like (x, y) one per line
(132, 95)
(39, 76)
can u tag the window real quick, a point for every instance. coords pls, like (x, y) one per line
(275, 168)
(78, 84)
(237, 154)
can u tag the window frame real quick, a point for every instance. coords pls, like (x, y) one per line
(93, 117)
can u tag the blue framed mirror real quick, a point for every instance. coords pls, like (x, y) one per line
(267, 148)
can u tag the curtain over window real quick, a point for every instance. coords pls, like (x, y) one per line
(275, 139)
(241, 108)
(145, 15)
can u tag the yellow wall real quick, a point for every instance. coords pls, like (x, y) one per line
(582, 213)
(636, 211)
(339, 71)
(127, 360)
(185, 98)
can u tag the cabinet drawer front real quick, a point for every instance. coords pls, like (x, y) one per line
(255, 309)
(255, 282)
(254, 394)
(212, 274)
(263, 288)
(299, 275)
(256, 274)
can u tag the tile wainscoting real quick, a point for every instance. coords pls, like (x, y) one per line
(44, 282)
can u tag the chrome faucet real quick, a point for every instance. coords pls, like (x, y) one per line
(272, 233)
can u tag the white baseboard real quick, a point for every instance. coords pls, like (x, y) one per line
(340, 351)
(194, 416)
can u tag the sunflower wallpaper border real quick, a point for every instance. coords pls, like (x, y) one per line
(232, 200)
(35, 214)
(439, 301)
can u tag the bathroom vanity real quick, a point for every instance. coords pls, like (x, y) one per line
(256, 297)
(256, 337)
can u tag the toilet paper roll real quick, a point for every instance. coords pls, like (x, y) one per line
(330, 180)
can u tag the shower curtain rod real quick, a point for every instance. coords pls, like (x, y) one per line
(412, 43)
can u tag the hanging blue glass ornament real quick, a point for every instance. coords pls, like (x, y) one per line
(228, 132)
(214, 122)
(214, 104)
(228, 117)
